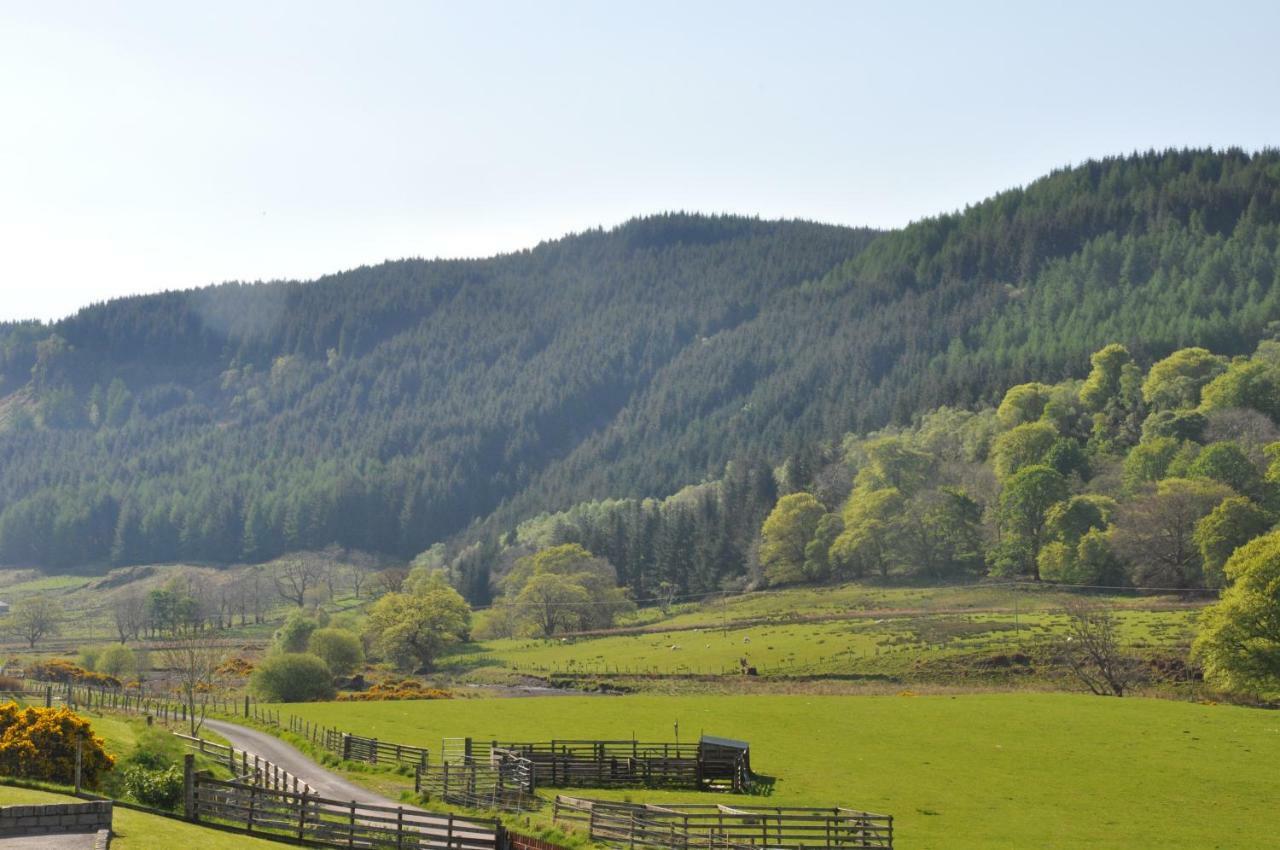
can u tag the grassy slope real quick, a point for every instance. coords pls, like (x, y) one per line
(139, 831)
(979, 771)
(888, 631)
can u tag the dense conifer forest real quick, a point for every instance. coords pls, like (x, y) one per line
(419, 402)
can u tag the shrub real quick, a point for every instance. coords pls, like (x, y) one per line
(159, 788)
(40, 743)
(296, 631)
(10, 685)
(292, 677)
(340, 650)
(62, 671)
(155, 749)
(236, 666)
(396, 689)
(118, 661)
(88, 657)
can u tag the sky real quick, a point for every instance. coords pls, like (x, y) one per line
(150, 146)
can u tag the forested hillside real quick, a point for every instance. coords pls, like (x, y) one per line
(391, 407)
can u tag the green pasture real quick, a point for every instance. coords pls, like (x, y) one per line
(1008, 770)
(885, 645)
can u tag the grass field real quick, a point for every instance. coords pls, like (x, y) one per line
(140, 831)
(852, 629)
(976, 771)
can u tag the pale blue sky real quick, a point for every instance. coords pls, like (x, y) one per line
(146, 146)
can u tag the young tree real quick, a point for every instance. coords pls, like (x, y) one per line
(1239, 640)
(193, 658)
(1092, 650)
(34, 619)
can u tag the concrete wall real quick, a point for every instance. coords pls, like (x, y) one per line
(55, 818)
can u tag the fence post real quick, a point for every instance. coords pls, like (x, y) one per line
(189, 786)
(302, 815)
(246, 706)
(351, 832)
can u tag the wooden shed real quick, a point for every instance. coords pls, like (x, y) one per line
(724, 761)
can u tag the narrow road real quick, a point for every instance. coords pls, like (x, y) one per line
(436, 828)
(283, 755)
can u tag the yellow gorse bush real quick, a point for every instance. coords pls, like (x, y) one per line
(40, 743)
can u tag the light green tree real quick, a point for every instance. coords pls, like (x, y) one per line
(600, 601)
(411, 630)
(786, 532)
(553, 603)
(1103, 384)
(1233, 523)
(1239, 640)
(894, 462)
(870, 527)
(339, 649)
(1177, 380)
(1228, 464)
(1025, 502)
(1023, 403)
(1252, 384)
(1022, 445)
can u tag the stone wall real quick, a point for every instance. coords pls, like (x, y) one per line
(55, 818)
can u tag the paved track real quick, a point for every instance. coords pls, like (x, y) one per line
(283, 755)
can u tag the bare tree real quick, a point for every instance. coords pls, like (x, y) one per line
(1092, 649)
(254, 583)
(34, 618)
(392, 579)
(193, 660)
(358, 574)
(297, 574)
(129, 610)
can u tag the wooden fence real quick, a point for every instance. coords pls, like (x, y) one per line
(602, 764)
(710, 827)
(332, 823)
(505, 782)
(248, 767)
(125, 700)
(356, 747)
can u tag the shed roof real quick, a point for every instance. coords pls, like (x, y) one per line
(725, 742)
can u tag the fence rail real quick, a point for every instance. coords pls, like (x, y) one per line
(602, 764)
(356, 747)
(333, 823)
(248, 767)
(707, 827)
(505, 782)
